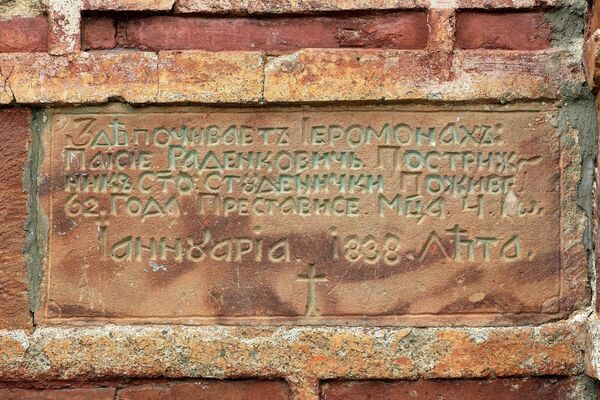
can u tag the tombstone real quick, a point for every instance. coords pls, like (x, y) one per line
(298, 200)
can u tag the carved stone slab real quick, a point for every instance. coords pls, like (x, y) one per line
(382, 215)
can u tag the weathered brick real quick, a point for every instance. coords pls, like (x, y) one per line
(208, 390)
(297, 6)
(507, 31)
(334, 75)
(498, 389)
(209, 77)
(307, 75)
(128, 5)
(224, 352)
(24, 35)
(57, 394)
(312, 6)
(95, 77)
(92, 77)
(14, 135)
(64, 36)
(498, 351)
(503, 4)
(441, 30)
(98, 34)
(402, 30)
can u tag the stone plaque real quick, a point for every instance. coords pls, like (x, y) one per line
(386, 215)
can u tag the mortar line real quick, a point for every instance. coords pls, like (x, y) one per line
(33, 253)
(304, 388)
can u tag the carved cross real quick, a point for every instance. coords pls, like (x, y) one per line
(312, 279)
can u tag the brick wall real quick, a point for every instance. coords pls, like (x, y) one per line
(503, 389)
(302, 53)
(406, 29)
(205, 389)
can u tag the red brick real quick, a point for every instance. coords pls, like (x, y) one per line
(401, 30)
(208, 390)
(24, 35)
(14, 136)
(507, 31)
(393, 31)
(57, 394)
(98, 34)
(499, 389)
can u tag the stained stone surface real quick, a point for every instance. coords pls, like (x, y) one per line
(385, 215)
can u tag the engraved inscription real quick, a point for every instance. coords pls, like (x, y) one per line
(315, 214)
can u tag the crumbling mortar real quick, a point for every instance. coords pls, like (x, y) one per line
(586, 389)
(20, 8)
(579, 322)
(304, 387)
(567, 24)
(578, 112)
(412, 338)
(156, 67)
(263, 78)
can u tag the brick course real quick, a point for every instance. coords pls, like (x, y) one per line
(393, 30)
(399, 30)
(471, 389)
(499, 389)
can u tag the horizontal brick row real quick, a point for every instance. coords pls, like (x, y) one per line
(204, 389)
(296, 6)
(309, 75)
(394, 30)
(311, 6)
(399, 30)
(497, 389)
(112, 352)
